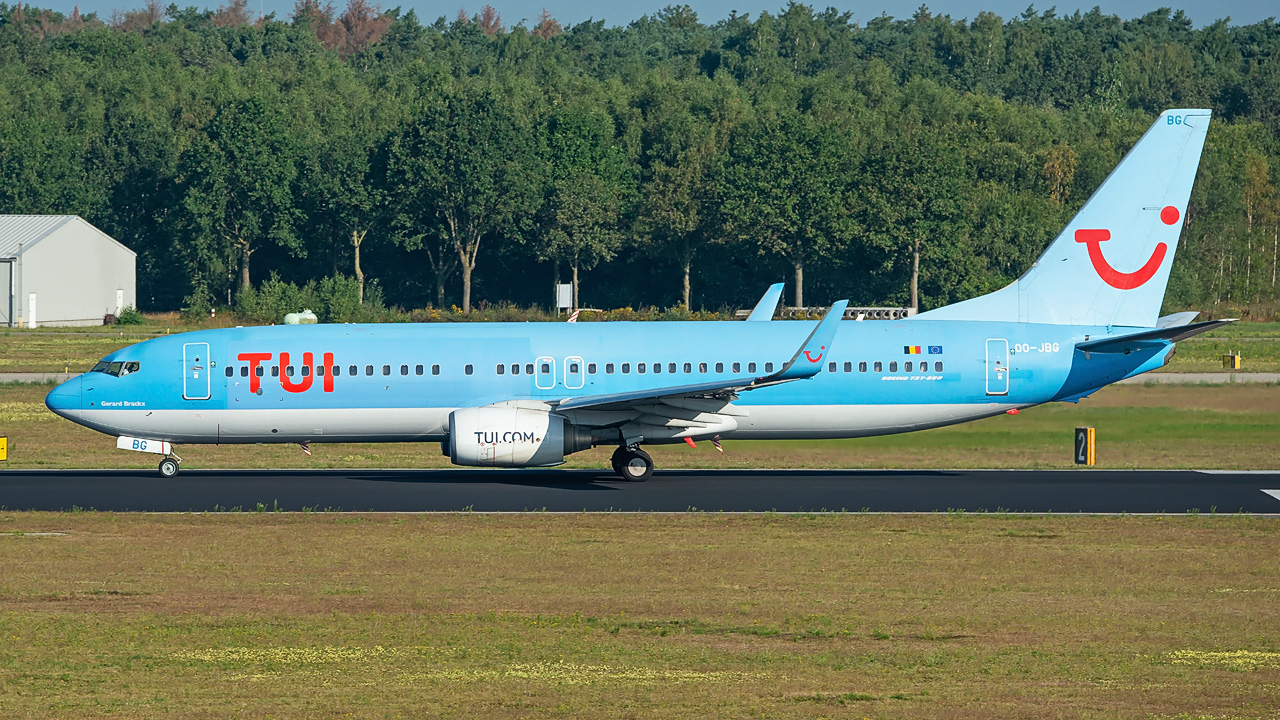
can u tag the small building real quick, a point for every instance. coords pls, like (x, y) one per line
(61, 270)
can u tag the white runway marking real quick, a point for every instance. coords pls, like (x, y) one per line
(1273, 493)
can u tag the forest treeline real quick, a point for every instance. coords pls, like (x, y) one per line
(671, 161)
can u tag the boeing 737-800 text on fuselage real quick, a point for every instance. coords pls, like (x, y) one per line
(528, 394)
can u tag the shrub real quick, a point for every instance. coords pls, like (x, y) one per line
(130, 315)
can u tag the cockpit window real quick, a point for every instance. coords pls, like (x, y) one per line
(118, 369)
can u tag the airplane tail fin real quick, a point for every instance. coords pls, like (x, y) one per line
(1110, 265)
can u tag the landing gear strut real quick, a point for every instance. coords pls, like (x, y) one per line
(169, 467)
(632, 463)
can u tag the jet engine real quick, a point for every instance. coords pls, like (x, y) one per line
(502, 436)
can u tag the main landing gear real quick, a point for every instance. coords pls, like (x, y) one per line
(632, 463)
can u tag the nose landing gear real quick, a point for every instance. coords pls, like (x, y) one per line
(169, 467)
(632, 463)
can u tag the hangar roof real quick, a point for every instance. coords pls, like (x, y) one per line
(23, 231)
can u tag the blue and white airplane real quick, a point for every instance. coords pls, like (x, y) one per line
(528, 394)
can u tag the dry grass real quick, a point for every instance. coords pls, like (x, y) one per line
(1226, 427)
(638, 616)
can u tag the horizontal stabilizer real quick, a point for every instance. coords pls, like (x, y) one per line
(1149, 338)
(1177, 319)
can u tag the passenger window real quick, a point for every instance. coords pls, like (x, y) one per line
(626, 368)
(702, 367)
(244, 370)
(751, 368)
(848, 366)
(608, 368)
(351, 370)
(573, 367)
(879, 366)
(591, 368)
(528, 368)
(719, 367)
(404, 369)
(937, 367)
(386, 369)
(468, 369)
(924, 367)
(737, 367)
(336, 370)
(907, 366)
(640, 368)
(368, 370)
(768, 367)
(657, 368)
(500, 369)
(671, 368)
(230, 371)
(417, 369)
(831, 367)
(289, 371)
(515, 368)
(546, 368)
(275, 371)
(862, 366)
(688, 368)
(435, 369)
(893, 366)
(319, 371)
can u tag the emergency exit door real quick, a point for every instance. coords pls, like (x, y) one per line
(997, 366)
(195, 365)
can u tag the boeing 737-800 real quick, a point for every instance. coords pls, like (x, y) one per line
(528, 394)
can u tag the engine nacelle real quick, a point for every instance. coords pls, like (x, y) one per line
(500, 436)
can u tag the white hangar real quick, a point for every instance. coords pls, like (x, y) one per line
(61, 270)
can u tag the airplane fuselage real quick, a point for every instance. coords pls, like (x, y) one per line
(400, 382)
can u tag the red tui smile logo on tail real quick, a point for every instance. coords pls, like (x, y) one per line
(1093, 238)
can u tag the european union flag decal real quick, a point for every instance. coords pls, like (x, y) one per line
(935, 349)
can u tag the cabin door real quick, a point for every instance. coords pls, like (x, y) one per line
(195, 366)
(997, 366)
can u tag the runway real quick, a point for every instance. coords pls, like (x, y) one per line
(1038, 491)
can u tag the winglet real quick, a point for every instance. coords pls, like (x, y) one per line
(807, 361)
(764, 309)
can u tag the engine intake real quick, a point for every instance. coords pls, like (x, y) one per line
(499, 436)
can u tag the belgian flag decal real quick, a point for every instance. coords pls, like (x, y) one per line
(911, 349)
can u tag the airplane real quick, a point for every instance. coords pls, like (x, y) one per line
(528, 394)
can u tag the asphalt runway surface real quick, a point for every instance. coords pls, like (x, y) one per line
(1040, 491)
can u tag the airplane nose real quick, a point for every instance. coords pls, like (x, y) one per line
(65, 399)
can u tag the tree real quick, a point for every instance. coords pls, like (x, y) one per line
(686, 131)
(913, 197)
(588, 181)
(787, 191)
(238, 178)
(465, 171)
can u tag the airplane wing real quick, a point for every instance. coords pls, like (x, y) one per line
(805, 363)
(1149, 338)
(764, 309)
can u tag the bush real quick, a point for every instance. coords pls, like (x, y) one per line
(196, 305)
(130, 315)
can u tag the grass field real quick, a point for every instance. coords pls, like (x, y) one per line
(56, 349)
(1165, 426)
(613, 616)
